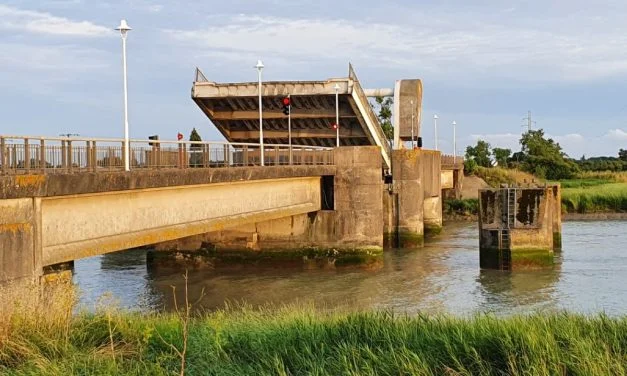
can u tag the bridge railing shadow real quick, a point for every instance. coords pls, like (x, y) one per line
(37, 155)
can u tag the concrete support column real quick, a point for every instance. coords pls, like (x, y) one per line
(431, 178)
(557, 217)
(407, 170)
(357, 192)
(20, 239)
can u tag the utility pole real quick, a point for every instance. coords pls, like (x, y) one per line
(529, 121)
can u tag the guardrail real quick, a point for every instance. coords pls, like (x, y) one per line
(25, 155)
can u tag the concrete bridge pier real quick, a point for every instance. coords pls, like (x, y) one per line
(413, 205)
(349, 226)
(519, 227)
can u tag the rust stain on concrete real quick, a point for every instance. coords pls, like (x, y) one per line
(29, 180)
(15, 227)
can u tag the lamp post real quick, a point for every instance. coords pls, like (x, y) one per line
(412, 123)
(435, 126)
(124, 29)
(337, 115)
(259, 67)
(454, 142)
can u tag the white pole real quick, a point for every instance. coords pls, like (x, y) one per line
(127, 163)
(124, 29)
(337, 115)
(435, 126)
(289, 125)
(454, 142)
(259, 67)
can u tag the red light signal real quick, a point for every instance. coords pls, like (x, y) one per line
(334, 126)
(287, 105)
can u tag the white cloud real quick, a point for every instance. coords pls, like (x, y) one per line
(44, 23)
(454, 45)
(616, 134)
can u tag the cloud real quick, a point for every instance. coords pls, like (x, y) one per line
(616, 135)
(44, 23)
(454, 45)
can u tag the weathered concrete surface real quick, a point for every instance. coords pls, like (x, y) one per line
(85, 225)
(22, 186)
(18, 239)
(407, 109)
(518, 226)
(432, 207)
(408, 182)
(354, 227)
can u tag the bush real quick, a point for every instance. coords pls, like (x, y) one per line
(470, 166)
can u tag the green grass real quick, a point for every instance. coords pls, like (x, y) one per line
(303, 341)
(465, 207)
(594, 198)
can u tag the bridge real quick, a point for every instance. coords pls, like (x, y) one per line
(66, 198)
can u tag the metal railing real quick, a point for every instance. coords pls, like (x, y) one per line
(22, 155)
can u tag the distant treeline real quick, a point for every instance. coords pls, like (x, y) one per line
(604, 163)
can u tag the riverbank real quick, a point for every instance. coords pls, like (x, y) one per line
(301, 341)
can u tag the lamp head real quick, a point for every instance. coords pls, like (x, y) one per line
(336, 87)
(123, 28)
(435, 117)
(259, 65)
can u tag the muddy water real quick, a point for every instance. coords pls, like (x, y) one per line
(590, 275)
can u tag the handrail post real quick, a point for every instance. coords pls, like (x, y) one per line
(180, 154)
(70, 155)
(42, 155)
(3, 155)
(123, 155)
(226, 156)
(63, 155)
(245, 156)
(276, 155)
(88, 155)
(26, 155)
(94, 156)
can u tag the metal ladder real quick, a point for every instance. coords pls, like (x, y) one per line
(508, 217)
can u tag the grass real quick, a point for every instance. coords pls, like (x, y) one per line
(610, 197)
(302, 341)
(495, 176)
(464, 207)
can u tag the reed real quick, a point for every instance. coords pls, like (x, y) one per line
(595, 198)
(301, 340)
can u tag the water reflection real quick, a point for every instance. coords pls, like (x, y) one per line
(589, 275)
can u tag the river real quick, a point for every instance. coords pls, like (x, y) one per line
(590, 276)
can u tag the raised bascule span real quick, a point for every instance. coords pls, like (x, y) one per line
(234, 109)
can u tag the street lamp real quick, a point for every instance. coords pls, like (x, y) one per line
(454, 142)
(124, 29)
(337, 115)
(260, 67)
(435, 126)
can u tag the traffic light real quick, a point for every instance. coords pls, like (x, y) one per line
(287, 105)
(154, 137)
(334, 126)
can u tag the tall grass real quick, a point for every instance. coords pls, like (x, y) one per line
(495, 176)
(302, 341)
(595, 198)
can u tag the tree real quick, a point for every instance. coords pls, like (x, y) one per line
(622, 155)
(545, 158)
(195, 158)
(385, 116)
(501, 156)
(480, 153)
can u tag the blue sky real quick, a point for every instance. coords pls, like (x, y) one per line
(483, 64)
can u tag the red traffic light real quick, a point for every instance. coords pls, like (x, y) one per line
(334, 126)
(286, 101)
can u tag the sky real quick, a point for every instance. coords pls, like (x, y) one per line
(483, 63)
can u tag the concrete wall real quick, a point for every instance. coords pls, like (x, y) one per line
(408, 184)
(356, 224)
(85, 225)
(19, 256)
(431, 174)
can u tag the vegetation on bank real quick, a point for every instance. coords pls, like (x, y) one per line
(303, 341)
(464, 208)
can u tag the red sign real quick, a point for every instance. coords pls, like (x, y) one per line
(179, 136)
